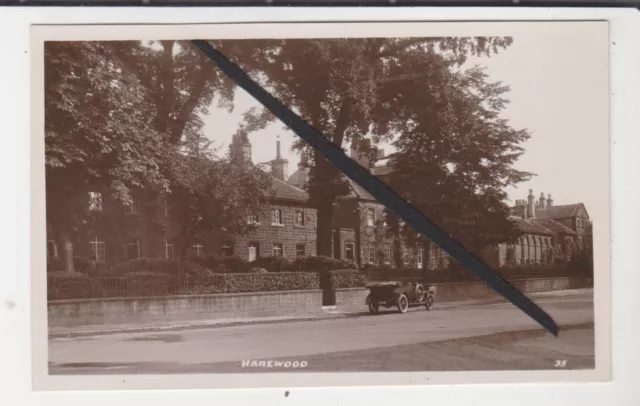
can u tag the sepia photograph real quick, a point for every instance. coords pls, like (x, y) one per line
(184, 230)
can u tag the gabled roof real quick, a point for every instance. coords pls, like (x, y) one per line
(555, 226)
(530, 226)
(357, 192)
(298, 178)
(285, 191)
(558, 212)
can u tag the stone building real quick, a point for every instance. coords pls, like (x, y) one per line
(359, 227)
(144, 229)
(549, 233)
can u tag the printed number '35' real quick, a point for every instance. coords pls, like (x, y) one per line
(560, 363)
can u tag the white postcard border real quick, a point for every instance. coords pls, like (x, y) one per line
(41, 379)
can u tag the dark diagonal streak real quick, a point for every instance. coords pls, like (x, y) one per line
(378, 190)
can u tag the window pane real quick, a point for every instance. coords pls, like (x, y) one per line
(372, 253)
(371, 217)
(227, 248)
(133, 207)
(198, 249)
(95, 201)
(276, 216)
(169, 249)
(348, 251)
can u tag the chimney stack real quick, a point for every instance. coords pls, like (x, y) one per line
(279, 166)
(549, 201)
(531, 210)
(359, 153)
(240, 148)
(543, 201)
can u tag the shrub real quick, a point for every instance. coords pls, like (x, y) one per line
(320, 264)
(270, 282)
(213, 262)
(377, 267)
(156, 265)
(162, 284)
(236, 265)
(347, 279)
(258, 270)
(58, 275)
(272, 264)
(221, 264)
(71, 285)
(150, 284)
(80, 264)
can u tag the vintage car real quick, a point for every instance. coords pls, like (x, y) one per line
(399, 294)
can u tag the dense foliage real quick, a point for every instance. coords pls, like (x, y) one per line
(127, 116)
(353, 92)
(347, 279)
(79, 286)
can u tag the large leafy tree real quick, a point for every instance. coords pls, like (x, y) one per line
(454, 156)
(209, 193)
(336, 86)
(121, 116)
(181, 82)
(97, 135)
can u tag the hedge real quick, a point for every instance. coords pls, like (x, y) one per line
(320, 263)
(155, 265)
(150, 284)
(275, 264)
(347, 279)
(221, 264)
(80, 264)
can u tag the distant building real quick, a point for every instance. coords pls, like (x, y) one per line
(549, 233)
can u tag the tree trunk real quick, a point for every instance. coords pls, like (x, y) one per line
(397, 252)
(183, 252)
(67, 251)
(325, 227)
(426, 254)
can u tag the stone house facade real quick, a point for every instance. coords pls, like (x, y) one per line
(549, 233)
(359, 228)
(144, 229)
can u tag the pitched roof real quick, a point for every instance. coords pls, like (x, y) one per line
(557, 212)
(298, 178)
(555, 226)
(285, 191)
(357, 192)
(530, 226)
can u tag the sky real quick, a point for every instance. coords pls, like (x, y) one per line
(558, 91)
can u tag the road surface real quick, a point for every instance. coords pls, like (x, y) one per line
(481, 337)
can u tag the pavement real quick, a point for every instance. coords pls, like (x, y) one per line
(357, 310)
(483, 336)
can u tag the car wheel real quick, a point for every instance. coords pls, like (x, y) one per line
(420, 293)
(403, 303)
(430, 302)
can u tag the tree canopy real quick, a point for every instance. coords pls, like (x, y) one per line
(454, 156)
(358, 91)
(125, 115)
